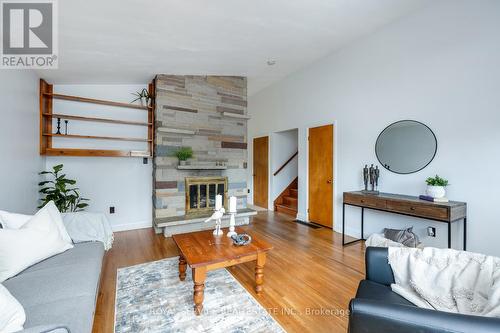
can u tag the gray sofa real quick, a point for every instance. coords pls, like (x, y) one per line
(59, 294)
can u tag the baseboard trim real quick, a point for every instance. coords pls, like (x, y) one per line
(132, 226)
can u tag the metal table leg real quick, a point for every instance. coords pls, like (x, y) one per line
(465, 234)
(343, 226)
(449, 235)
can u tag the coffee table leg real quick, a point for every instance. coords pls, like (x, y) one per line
(182, 267)
(199, 275)
(259, 272)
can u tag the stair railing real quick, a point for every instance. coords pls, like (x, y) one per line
(286, 163)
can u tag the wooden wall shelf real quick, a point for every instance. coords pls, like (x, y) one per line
(47, 115)
(86, 152)
(94, 119)
(114, 138)
(96, 101)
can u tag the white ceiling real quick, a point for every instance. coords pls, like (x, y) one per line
(129, 41)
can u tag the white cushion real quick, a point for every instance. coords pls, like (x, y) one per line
(12, 220)
(35, 241)
(58, 220)
(16, 221)
(12, 315)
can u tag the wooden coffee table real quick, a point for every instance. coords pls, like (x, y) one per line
(204, 252)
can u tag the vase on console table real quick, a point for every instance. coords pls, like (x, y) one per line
(436, 191)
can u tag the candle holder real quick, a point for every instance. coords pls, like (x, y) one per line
(58, 126)
(232, 223)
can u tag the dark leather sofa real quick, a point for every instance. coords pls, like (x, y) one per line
(376, 309)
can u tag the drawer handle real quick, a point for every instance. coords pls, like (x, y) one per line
(362, 201)
(412, 208)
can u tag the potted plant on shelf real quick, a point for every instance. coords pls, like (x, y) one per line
(183, 154)
(60, 190)
(142, 96)
(436, 187)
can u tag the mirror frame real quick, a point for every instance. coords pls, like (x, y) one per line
(400, 121)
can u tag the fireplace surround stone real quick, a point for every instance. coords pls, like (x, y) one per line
(195, 111)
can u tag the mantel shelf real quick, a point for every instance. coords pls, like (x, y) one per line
(201, 167)
(100, 120)
(114, 138)
(97, 101)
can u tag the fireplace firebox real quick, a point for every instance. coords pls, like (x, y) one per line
(201, 192)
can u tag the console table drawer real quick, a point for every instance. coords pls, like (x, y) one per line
(365, 201)
(433, 212)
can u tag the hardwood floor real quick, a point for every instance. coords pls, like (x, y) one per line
(308, 278)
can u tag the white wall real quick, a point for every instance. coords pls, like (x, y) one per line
(125, 183)
(20, 161)
(283, 146)
(440, 66)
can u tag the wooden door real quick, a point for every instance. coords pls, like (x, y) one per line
(260, 171)
(321, 175)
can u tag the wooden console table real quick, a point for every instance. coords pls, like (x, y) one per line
(447, 212)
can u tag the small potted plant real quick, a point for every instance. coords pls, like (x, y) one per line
(142, 96)
(183, 154)
(436, 187)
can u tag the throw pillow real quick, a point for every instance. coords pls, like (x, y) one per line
(35, 241)
(16, 221)
(405, 236)
(12, 315)
(58, 220)
(12, 220)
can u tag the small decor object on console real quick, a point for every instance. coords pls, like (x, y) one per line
(431, 199)
(241, 239)
(372, 176)
(217, 215)
(436, 187)
(232, 221)
(366, 176)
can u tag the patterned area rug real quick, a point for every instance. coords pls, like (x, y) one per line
(151, 298)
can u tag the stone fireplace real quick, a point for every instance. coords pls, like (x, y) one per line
(201, 192)
(207, 114)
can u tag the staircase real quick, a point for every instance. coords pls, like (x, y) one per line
(286, 202)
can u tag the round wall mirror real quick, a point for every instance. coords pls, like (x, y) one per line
(406, 146)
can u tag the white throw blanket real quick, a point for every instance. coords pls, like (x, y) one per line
(447, 280)
(85, 227)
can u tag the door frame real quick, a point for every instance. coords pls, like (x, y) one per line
(334, 171)
(269, 201)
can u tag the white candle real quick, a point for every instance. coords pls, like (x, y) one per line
(218, 202)
(232, 204)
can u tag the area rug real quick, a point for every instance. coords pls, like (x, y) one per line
(151, 298)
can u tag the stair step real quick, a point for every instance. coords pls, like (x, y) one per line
(294, 192)
(285, 209)
(290, 201)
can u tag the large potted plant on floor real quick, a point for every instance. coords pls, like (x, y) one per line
(436, 187)
(60, 189)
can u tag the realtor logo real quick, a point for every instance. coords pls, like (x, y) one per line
(29, 38)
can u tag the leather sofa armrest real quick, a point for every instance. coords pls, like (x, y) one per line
(377, 266)
(46, 329)
(370, 316)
